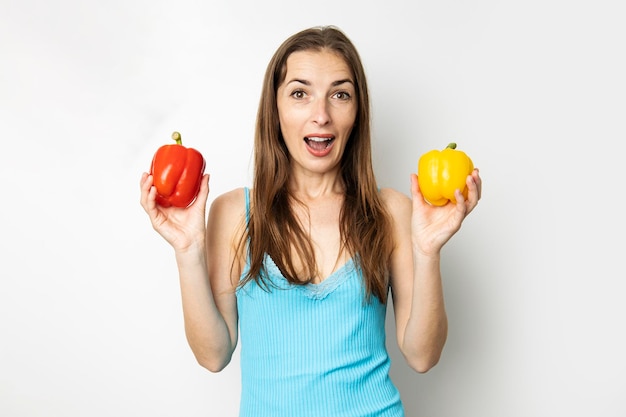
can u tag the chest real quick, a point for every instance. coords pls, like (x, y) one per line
(320, 222)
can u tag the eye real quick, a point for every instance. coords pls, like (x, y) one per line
(298, 94)
(343, 95)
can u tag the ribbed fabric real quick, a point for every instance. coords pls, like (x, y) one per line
(314, 350)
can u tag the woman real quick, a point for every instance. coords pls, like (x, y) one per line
(302, 263)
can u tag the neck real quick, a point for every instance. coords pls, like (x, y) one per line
(314, 187)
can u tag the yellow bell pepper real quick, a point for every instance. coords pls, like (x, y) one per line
(440, 173)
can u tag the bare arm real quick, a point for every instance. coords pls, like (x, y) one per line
(204, 255)
(420, 231)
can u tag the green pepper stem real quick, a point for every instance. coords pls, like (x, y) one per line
(176, 136)
(451, 145)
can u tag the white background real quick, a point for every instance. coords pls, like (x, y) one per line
(534, 91)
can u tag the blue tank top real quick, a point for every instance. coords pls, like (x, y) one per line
(315, 350)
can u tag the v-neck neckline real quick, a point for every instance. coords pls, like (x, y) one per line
(316, 291)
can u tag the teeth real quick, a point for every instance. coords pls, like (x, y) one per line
(314, 139)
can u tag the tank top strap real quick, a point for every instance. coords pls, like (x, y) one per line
(246, 191)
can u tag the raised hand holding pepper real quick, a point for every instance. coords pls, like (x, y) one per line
(443, 177)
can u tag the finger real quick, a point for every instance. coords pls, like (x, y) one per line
(148, 197)
(144, 185)
(473, 195)
(152, 198)
(203, 193)
(478, 181)
(144, 176)
(414, 185)
(204, 187)
(416, 193)
(461, 202)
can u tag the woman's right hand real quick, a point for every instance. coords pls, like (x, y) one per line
(180, 227)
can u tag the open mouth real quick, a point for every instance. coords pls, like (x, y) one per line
(318, 144)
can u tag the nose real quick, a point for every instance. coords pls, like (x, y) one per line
(321, 113)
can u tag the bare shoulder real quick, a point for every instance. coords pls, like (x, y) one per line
(228, 210)
(397, 204)
(233, 200)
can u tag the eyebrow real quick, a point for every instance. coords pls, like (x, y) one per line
(334, 83)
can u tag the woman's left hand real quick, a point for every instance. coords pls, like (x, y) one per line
(432, 226)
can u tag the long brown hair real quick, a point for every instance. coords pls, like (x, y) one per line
(273, 228)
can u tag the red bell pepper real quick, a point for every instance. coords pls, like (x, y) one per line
(177, 172)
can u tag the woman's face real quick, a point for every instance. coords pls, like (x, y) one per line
(317, 107)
